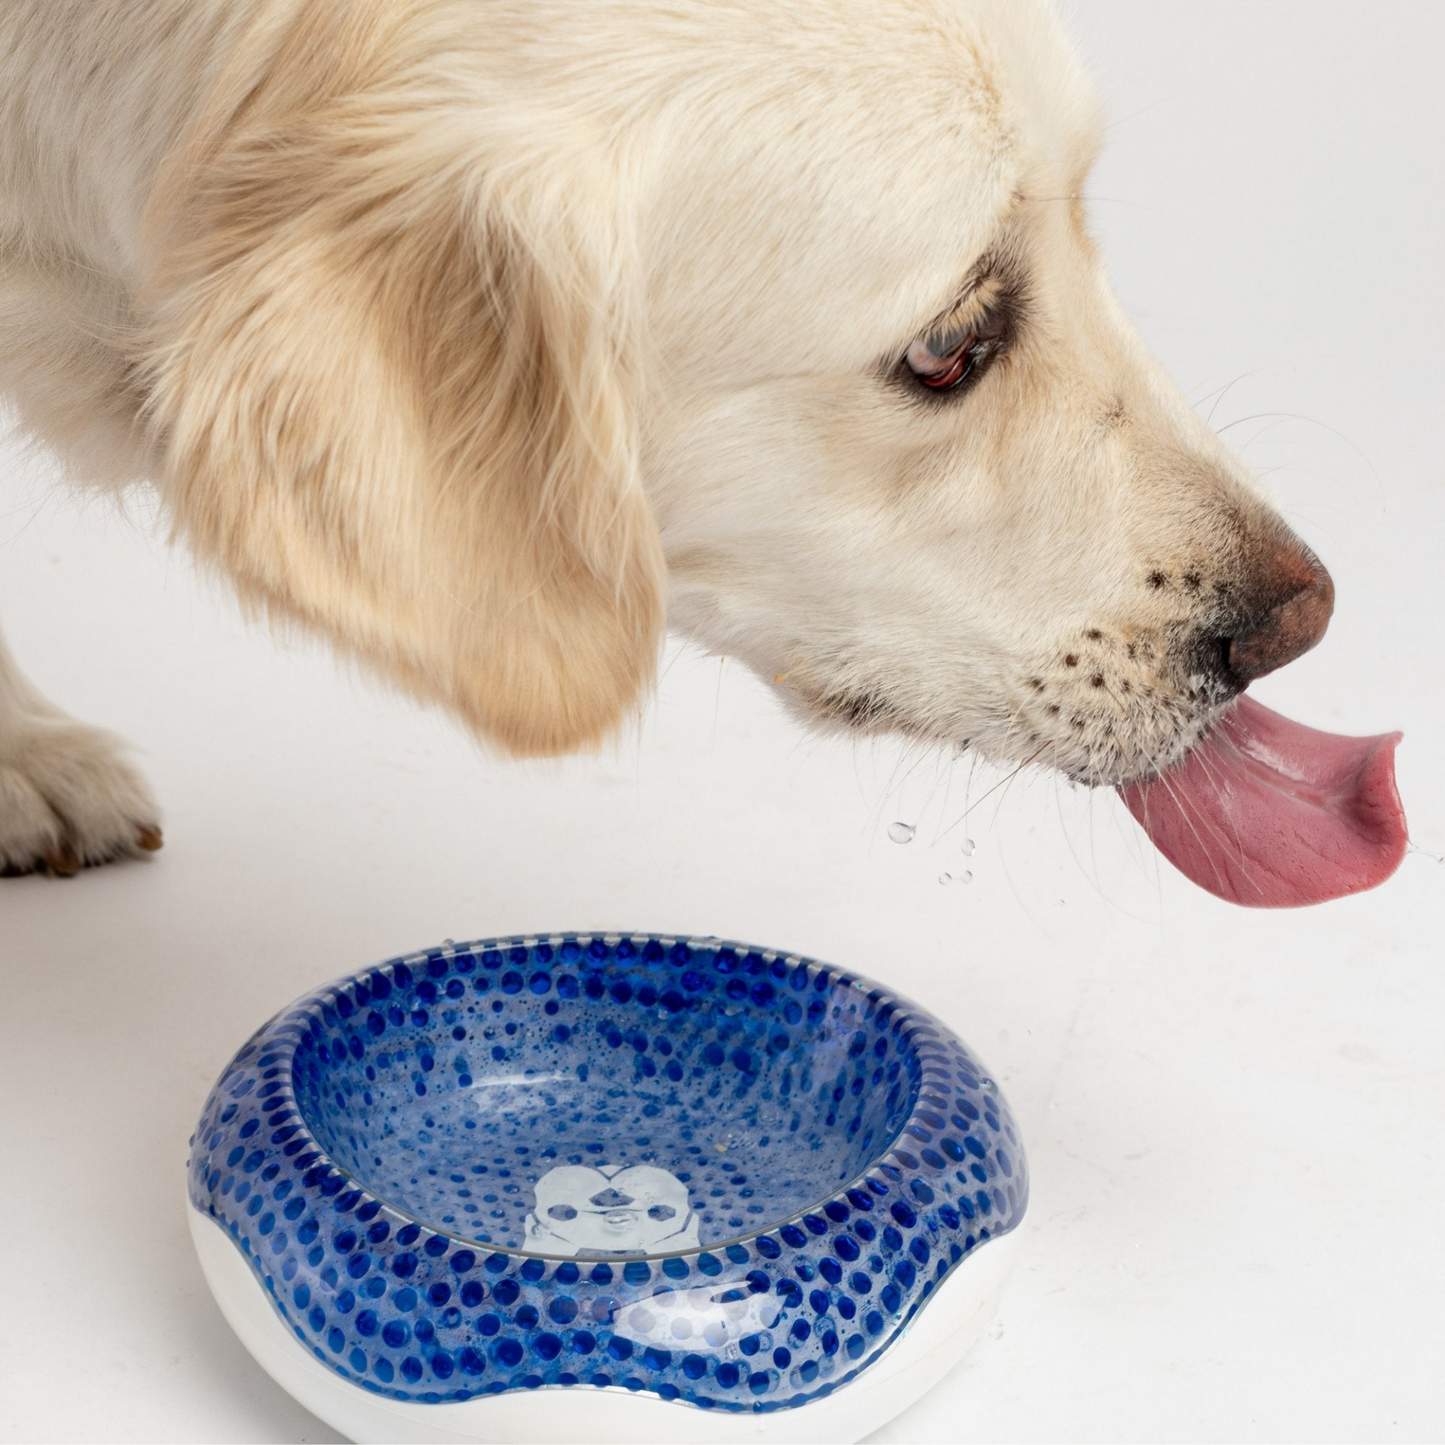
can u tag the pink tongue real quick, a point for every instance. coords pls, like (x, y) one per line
(1271, 814)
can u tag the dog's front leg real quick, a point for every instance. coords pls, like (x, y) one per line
(68, 797)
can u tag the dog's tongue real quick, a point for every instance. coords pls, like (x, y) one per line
(1271, 814)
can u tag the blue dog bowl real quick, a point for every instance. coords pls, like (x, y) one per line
(605, 1187)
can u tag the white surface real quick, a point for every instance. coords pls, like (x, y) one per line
(939, 1336)
(1236, 1120)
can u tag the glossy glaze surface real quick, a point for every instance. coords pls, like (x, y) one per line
(708, 1171)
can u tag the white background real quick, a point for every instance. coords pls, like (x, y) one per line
(1234, 1118)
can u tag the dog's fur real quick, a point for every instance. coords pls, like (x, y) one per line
(486, 338)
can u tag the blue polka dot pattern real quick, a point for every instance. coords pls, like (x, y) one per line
(698, 1169)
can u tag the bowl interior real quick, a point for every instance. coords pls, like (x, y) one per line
(533, 1099)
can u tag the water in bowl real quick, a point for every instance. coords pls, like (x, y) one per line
(640, 1110)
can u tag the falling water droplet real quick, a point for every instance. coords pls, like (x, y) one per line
(901, 832)
(968, 847)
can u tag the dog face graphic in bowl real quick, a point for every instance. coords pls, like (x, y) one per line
(610, 1209)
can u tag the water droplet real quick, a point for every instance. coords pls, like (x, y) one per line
(988, 1086)
(968, 847)
(902, 832)
(964, 877)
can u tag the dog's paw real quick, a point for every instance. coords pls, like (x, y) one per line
(69, 799)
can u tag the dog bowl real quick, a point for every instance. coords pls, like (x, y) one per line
(588, 1188)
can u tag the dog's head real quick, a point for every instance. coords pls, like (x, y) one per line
(912, 462)
(484, 338)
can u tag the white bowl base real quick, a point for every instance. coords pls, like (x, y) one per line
(943, 1330)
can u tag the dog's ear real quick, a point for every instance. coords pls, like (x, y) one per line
(387, 360)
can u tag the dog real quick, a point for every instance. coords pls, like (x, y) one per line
(489, 340)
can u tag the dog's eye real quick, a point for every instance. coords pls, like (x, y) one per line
(941, 362)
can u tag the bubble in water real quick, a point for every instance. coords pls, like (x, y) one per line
(968, 847)
(901, 832)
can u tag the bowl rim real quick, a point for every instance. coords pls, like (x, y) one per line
(914, 1021)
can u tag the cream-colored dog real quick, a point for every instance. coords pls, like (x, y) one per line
(487, 338)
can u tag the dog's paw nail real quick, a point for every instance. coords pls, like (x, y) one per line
(149, 838)
(61, 861)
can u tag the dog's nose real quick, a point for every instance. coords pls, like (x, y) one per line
(1301, 598)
